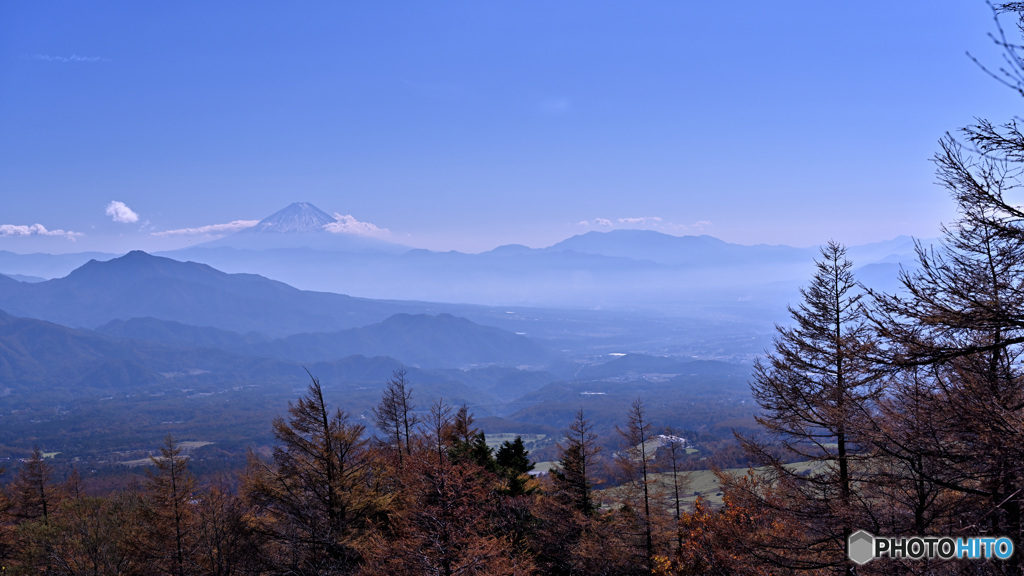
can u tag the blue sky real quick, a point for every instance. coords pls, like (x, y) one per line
(466, 125)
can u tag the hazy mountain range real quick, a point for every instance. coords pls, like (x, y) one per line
(417, 339)
(620, 269)
(143, 377)
(171, 346)
(140, 285)
(61, 363)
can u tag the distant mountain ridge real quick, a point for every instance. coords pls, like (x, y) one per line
(441, 341)
(24, 278)
(416, 339)
(46, 265)
(177, 334)
(42, 363)
(678, 250)
(617, 269)
(139, 285)
(70, 363)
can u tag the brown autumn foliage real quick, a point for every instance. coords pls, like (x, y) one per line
(168, 513)
(315, 503)
(446, 526)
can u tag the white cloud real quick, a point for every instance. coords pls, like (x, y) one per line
(648, 223)
(346, 224)
(596, 222)
(35, 230)
(121, 213)
(641, 221)
(210, 230)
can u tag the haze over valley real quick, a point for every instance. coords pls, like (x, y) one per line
(104, 354)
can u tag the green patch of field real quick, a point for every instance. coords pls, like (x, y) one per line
(544, 467)
(139, 462)
(185, 445)
(704, 484)
(651, 446)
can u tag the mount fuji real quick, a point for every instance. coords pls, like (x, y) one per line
(303, 225)
(298, 217)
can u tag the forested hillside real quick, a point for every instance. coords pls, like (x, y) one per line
(426, 495)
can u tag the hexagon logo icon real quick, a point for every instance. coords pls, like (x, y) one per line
(860, 547)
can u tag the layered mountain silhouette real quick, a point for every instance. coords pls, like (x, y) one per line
(178, 334)
(418, 339)
(45, 266)
(63, 363)
(310, 249)
(424, 340)
(623, 269)
(139, 285)
(24, 278)
(695, 251)
(44, 362)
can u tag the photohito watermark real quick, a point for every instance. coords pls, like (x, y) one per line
(863, 547)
